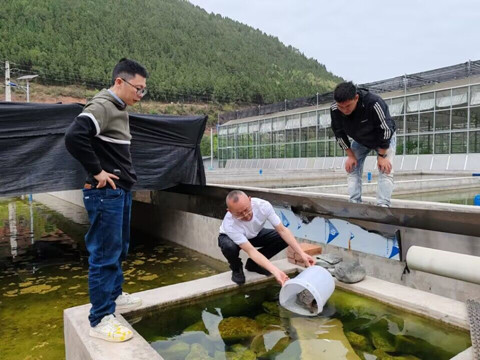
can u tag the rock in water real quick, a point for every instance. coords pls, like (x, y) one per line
(349, 272)
(307, 300)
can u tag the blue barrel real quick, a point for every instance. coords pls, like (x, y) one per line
(260, 171)
(476, 200)
(369, 176)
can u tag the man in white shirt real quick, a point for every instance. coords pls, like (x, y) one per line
(242, 228)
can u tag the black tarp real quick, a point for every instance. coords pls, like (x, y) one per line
(33, 158)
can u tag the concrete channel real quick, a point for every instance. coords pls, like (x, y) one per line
(191, 217)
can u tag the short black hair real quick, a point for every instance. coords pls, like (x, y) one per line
(127, 69)
(234, 196)
(344, 91)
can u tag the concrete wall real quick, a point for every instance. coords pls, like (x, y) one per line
(200, 233)
(65, 205)
(72, 196)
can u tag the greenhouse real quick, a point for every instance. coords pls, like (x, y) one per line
(436, 112)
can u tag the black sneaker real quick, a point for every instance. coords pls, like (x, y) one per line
(238, 276)
(254, 267)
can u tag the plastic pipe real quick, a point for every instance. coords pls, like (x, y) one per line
(444, 263)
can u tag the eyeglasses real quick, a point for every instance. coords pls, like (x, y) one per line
(140, 91)
(242, 215)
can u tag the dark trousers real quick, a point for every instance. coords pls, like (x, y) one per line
(107, 243)
(268, 241)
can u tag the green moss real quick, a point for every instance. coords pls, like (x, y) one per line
(229, 355)
(198, 326)
(271, 308)
(238, 348)
(265, 320)
(415, 346)
(346, 303)
(237, 329)
(358, 341)
(381, 338)
(382, 355)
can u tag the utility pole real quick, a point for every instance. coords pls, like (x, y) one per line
(8, 94)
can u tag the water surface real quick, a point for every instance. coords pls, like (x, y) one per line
(250, 324)
(44, 269)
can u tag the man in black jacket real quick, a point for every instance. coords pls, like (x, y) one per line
(364, 117)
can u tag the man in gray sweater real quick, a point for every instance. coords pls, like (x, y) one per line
(99, 138)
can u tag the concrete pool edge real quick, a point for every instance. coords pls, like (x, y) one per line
(78, 344)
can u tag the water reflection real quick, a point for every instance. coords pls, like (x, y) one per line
(249, 324)
(30, 238)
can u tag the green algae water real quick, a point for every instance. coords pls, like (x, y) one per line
(44, 269)
(250, 324)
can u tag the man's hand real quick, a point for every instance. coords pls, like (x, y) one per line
(307, 259)
(350, 163)
(280, 276)
(103, 177)
(384, 165)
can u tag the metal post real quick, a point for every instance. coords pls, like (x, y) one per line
(211, 148)
(12, 220)
(30, 203)
(28, 91)
(8, 94)
(405, 83)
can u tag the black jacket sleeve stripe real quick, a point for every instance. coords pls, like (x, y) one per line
(78, 139)
(383, 123)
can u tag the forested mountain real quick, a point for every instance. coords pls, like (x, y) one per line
(186, 50)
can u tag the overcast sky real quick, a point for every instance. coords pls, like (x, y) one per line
(369, 40)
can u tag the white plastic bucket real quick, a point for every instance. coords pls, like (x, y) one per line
(315, 279)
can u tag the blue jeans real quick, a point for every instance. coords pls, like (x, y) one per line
(107, 243)
(385, 181)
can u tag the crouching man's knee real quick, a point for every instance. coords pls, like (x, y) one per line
(228, 247)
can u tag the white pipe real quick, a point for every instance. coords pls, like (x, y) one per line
(444, 263)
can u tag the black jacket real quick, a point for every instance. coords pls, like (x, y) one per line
(369, 124)
(99, 138)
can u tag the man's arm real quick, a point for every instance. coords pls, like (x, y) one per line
(261, 260)
(340, 134)
(342, 140)
(288, 237)
(78, 139)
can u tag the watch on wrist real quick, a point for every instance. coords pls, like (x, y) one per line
(382, 155)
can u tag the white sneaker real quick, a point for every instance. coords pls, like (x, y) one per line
(110, 329)
(125, 301)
